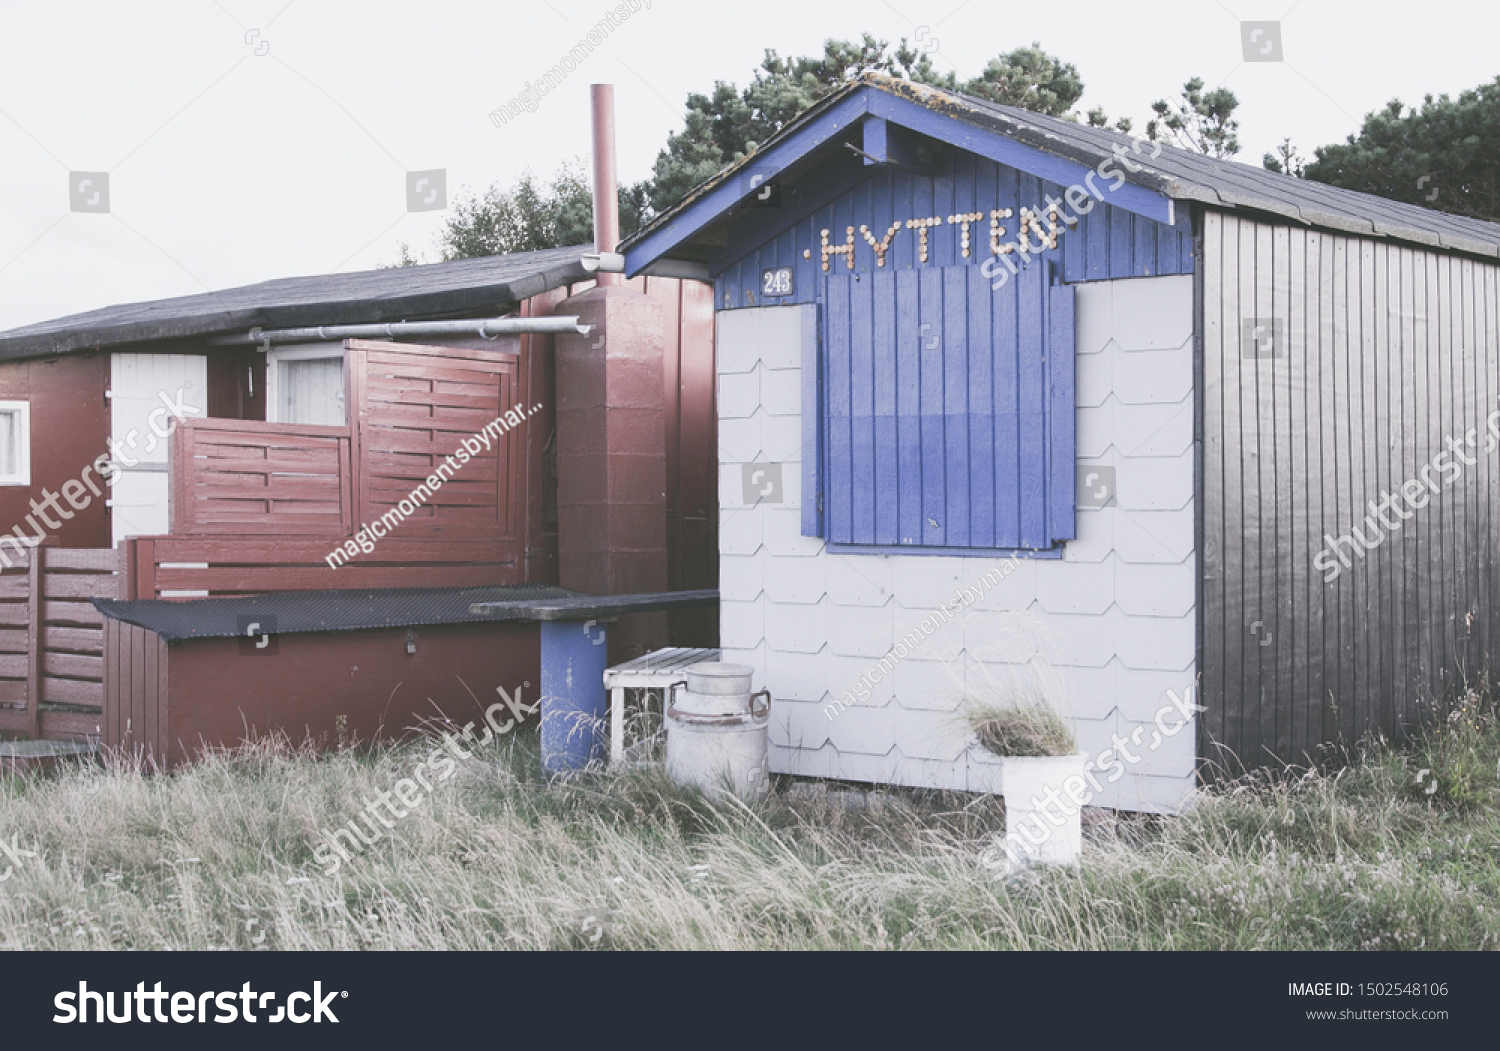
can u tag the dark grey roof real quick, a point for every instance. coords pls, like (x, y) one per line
(1192, 176)
(464, 286)
(300, 612)
(1176, 173)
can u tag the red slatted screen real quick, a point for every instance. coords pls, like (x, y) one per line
(415, 406)
(250, 477)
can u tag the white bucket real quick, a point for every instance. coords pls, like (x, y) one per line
(716, 736)
(1043, 825)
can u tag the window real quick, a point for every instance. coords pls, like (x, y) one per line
(15, 443)
(306, 384)
(947, 420)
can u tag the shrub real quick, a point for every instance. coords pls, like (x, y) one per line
(1454, 755)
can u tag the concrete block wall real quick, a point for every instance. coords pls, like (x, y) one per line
(1109, 627)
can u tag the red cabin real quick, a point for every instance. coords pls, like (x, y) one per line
(280, 438)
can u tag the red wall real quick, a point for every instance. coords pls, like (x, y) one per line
(215, 688)
(69, 426)
(692, 451)
(692, 483)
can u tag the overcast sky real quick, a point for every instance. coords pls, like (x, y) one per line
(247, 140)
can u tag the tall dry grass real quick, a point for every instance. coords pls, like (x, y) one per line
(219, 855)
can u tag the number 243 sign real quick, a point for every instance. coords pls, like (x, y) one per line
(776, 282)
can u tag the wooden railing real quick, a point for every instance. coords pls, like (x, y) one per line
(167, 566)
(247, 477)
(52, 641)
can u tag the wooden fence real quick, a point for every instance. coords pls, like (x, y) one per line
(258, 507)
(52, 641)
(247, 477)
(414, 406)
(167, 566)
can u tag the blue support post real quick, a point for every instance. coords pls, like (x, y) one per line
(573, 702)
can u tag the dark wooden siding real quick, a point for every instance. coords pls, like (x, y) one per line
(1387, 351)
(1107, 243)
(237, 383)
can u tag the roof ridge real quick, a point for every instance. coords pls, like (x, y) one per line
(1172, 171)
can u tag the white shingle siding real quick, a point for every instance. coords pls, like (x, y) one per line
(1112, 622)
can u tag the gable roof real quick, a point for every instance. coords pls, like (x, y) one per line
(1051, 147)
(463, 287)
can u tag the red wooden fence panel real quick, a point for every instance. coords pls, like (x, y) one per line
(262, 504)
(247, 477)
(254, 565)
(52, 642)
(415, 406)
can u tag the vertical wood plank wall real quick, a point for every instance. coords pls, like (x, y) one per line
(135, 689)
(1387, 352)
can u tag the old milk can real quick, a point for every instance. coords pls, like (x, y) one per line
(716, 730)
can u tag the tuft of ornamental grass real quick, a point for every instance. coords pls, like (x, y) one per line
(1021, 730)
(1020, 716)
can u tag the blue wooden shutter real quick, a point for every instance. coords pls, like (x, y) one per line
(1062, 426)
(948, 418)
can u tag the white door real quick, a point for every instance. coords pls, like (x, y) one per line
(145, 391)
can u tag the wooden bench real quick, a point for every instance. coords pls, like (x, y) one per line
(573, 662)
(654, 671)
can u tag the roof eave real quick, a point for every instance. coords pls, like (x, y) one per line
(301, 315)
(1033, 150)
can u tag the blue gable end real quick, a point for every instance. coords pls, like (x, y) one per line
(1106, 243)
(939, 398)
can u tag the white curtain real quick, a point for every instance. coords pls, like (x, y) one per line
(312, 391)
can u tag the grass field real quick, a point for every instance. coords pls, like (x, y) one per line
(220, 855)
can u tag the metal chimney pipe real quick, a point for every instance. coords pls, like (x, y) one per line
(606, 193)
